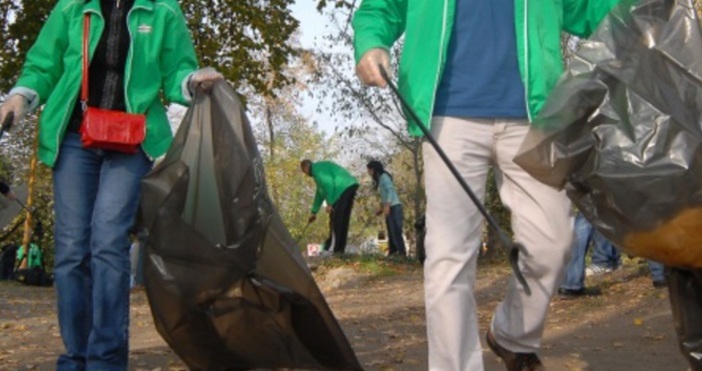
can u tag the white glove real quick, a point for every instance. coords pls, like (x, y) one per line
(367, 68)
(16, 104)
(205, 77)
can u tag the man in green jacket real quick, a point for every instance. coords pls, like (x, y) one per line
(337, 187)
(477, 72)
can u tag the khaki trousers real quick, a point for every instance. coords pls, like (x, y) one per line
(541, 221)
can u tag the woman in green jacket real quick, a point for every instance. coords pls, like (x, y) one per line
(138, 50)
(477, 72)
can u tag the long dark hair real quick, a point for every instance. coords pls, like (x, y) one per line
(378, 170)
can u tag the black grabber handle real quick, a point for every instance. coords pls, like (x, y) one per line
(512, 247)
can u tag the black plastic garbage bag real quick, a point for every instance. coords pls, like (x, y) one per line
(9, 209)
(227, 286)
(622, 131)
(685, 287)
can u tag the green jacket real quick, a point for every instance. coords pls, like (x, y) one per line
(427, 26)
(34, 259)
(331, 180)
(160, 59)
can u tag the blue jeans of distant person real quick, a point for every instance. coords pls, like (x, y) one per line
(604, 254)
(657, 271)
(96, 195)
(585, 234)
(396, 243)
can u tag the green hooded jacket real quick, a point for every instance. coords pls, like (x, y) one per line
(331, 180)
(427, 26)
(161, 58)
(34, 259)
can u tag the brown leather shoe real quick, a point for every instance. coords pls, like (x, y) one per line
(514, 361)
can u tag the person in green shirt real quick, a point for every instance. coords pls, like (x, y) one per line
(390, 206)
(337, 187)
(477, 73)
(34, 258)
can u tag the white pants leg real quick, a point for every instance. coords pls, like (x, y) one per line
(542, 221)
(453, 239)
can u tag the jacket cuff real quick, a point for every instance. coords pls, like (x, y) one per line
(29, 94)
(362, 46)
(185, 88)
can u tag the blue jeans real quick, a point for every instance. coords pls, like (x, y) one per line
(96, 194)
(608, 255)
(393, 222)
(657, 271)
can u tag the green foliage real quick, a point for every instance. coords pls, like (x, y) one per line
(374, 265)
(246, 40)
(20, 22)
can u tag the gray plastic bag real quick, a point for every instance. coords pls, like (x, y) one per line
(226, 283)
(622, 131)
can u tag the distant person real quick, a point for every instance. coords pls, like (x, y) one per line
(390, 207)
(337, 187)
(607, 256)
(657, 274)
(35, 257)
(575, 272)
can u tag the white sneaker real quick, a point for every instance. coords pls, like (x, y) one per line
(596, 270)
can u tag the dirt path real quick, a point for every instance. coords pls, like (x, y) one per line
(627, 328)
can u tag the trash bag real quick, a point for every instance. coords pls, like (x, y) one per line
(686, 303)
(622, 131)
(227, 285)
(9, 209)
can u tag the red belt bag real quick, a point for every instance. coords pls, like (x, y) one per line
(107, 129)
(113, 130)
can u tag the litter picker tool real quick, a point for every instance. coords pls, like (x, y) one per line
(512, 247)
(23, 205)
(302, 234)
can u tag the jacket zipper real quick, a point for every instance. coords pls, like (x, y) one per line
(128, 72)
(526, 61)
(438, 66)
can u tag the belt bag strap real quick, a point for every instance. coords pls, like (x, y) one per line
(86, 65)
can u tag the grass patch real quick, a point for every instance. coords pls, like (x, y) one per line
(374, 265)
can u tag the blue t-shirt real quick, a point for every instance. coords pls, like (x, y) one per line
(481, 78)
